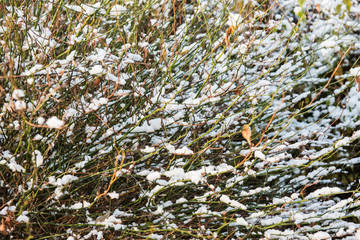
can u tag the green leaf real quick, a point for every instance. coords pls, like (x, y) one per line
(338, 9)
(301, 2)
(300, 14)
(348, 4)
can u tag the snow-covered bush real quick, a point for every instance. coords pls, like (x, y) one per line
(125, 119)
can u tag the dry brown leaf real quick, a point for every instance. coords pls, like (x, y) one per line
(357, 80)
(8, 224)
(246, 133)
(339, 71)
(237, 91)
(229, 31)
(3, 230)
(227, 41)
(96, 82)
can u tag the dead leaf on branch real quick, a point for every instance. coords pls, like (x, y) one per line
(8, 224)
(357, 80)
(246, 133)
(229, 31)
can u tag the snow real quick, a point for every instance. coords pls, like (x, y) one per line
(234, 19)
(195, 176)
(20, 105)
(156, 236)
(271, 221)
(281, 200)
(99, 55)
(18, 94)
(181, 200)
(255, 215)
(96, 104)
(260, 155)
(121, 79)
(89, 10)
(298, 10)
(32, 70)
(77, 206)
(4, 211)
(192, 102)
(23, 217)
(134, 57)
(96, 70)
(148, 149)
(340, 204)
(153, 176)
(324, 191)
(354, 71)
(181, 151)
(320, 235)
(39, 159)
(241, 221)
(94, 232)
(14, 166)
(357, 235)
(356, 135)
(254, 191)
(116, 10)
(30, 81)
(54, 122)
(232, 203)
(277, 234)
(70, 112)
(113, 195)
(243, 48)
(175, 173)
(63, 180)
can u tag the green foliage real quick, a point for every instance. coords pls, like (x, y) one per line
(347, 4)
(301, 2)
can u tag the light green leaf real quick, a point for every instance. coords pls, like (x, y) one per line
(348, 4)
(338, 9)
(301, 2)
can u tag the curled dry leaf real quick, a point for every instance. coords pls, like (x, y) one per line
(246, 133)
(238, 90)
(227, 41)
(96, 82)
(357, 80)
(8, 224)
(3, 230)
(229, 31)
